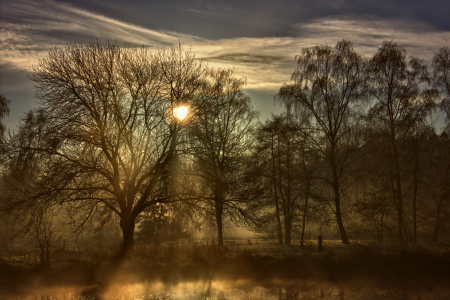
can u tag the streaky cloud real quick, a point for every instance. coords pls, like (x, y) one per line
(33, 28)
(30, 29)
(244, 58)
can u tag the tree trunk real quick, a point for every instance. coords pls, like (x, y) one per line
(287, 230)
(438, 213)
(416, 167)
(337, 202)
(218, 207)
(279, 232)
(399, 208)
(289, 204)
(441, 203)
(128, 235)
(305, 208)
(285, 210)
(337, 198)
(398, 186)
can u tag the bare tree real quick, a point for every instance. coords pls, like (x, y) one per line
(108, 131)
(399, 106)
(264, 169)
(283, 165)
(45, 239)
(436, 181)
(329, 86)
(221, 139)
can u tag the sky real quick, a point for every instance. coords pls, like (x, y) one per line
(259, 39)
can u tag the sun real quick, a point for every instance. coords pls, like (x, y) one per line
(180, 112)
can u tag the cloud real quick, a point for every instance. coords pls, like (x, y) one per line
(268, 62)
(33, 28)
(367, 33)
(29, 29)
(198, 11)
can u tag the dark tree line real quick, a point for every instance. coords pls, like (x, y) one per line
(353, 146)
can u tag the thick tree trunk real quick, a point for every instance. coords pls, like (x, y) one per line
(128, 235)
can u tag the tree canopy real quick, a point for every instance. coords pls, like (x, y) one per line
(106, 132)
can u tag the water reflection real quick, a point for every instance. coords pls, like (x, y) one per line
(239, 290)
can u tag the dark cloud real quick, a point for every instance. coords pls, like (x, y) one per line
(245, 58)
(233, 18)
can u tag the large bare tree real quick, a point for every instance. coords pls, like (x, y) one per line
(107, 132)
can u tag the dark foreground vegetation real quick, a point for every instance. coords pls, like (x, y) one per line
(94, 272)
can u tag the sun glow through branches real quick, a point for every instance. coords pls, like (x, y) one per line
(180, 112)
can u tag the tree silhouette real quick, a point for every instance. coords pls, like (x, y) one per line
(283, 167)
(399, 106)
(221, 139)
(108, 134)
(329, 86)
